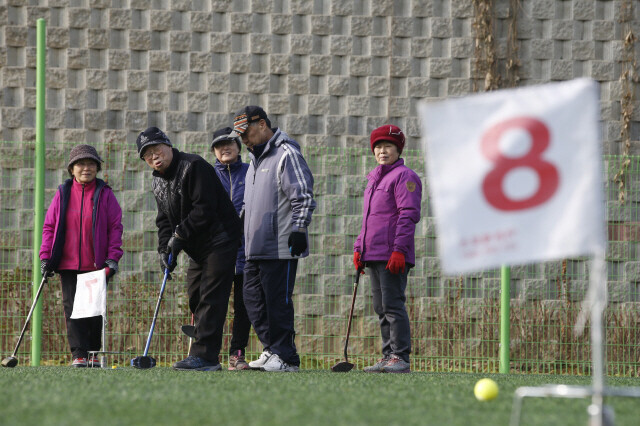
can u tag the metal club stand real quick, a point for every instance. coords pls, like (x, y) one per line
(599, 413)
(103, 352)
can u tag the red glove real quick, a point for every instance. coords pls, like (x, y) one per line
(396, 262)
(357, 263)
(107, 271)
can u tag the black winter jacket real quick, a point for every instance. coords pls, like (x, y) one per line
(192, 201)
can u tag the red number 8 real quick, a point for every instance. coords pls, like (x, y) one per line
(547, 172)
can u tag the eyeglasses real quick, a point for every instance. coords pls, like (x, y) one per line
(151, 152)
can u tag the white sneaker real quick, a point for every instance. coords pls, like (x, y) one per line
(276, 364)
(261, 361)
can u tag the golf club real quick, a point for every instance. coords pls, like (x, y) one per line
(12, 361)
(189, 330)
(345, 366)
(144, 362)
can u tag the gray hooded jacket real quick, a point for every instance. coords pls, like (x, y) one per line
(278, 199)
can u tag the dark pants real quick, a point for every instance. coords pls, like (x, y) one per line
(209, 286)
(268, 287)
(83, 334)
(241, 323)
(389, 303)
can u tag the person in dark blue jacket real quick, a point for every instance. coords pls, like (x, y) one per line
(232, 171)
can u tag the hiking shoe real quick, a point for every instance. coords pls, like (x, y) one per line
(276, 364)
(196, 363)
(261, 361)
(237, 362)
(378, 366)
(396, 365)
(79, 362)
(93, 362)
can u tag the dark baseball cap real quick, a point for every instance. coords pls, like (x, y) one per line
(223, 135)
(247, 115)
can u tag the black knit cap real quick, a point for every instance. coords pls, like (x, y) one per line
(151, 136)
(82, 152)
(223, 135)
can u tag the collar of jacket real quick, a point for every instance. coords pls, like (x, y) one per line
(232, 166)
(270, 143)
(171, 170)
(89, 185)
(382, 169)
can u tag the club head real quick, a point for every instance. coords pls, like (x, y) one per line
(189, 330)
(10, 362)
(342, 367)
(143, 362)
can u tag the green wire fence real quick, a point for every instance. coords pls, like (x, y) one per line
(455, 320)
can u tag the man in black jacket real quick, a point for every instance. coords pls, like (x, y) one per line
(194, 215)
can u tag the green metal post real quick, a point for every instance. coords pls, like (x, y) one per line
(505, 300)
(38, 221)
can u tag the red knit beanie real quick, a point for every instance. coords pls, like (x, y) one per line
(389, 133)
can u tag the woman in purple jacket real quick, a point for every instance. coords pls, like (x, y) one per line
(82, 232)
(385, 244)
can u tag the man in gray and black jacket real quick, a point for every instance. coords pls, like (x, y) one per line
(194, 215)
(278, 203)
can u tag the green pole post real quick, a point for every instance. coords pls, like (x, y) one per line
(505, 300)
(38, 221)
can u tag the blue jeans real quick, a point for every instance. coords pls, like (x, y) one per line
(389, 303)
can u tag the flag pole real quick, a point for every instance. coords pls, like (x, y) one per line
(41, 62)
(597, 414)
(505, 300)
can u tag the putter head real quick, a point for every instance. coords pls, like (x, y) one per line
(342, 367)
(189, 330)
(10, 362)
(143, 362)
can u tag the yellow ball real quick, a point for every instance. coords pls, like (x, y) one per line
(485, 390)
(114, 367)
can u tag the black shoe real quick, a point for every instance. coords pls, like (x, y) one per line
(196, 363)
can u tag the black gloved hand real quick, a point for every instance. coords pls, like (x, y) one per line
(44, 268)
(175, 246)
(113, 267)
(297, 243)
(164, 263)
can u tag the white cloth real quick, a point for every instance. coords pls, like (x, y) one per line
(91, 295)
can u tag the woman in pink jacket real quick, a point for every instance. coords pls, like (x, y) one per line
(385, 245)
(82, 232)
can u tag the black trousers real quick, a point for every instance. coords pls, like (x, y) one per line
(208, 287)
(389, 303)
(268, 287)
(83, 334)
(241, 323)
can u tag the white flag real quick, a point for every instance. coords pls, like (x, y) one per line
(91, 295)
(515, 175)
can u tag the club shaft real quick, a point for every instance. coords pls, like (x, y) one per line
(353, 302)
(33, 307)
(155, 314)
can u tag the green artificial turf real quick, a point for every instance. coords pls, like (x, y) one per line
(161, 396)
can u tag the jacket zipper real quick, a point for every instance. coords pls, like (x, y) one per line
(230, 183)
(80, 245)
(94, 220)
(364, 236)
